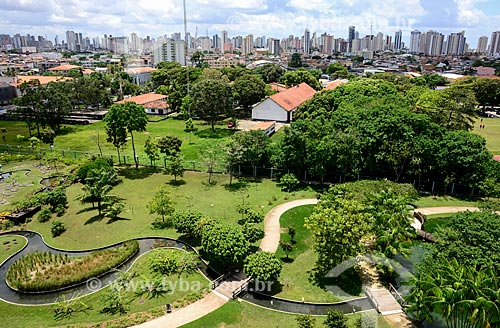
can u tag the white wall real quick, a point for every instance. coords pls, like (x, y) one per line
(268, 110)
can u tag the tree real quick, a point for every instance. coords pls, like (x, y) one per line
(161, 204)
(296, 60)
(234, 152)
(338, 224)
(248, 90)
(337, 71)
(453, 108)
(287, 247)
(151, 150)
(210, 156)
(116, 130)
(170, 145)
(305, 321)
(175, 166)
(253, 146)
(263, 266)
(198, 59)
(301, 76)
(335, 319)
(57, 228)
(211, 99)
(98, 184)
(270, 72)
(224, 244)
(113, 208)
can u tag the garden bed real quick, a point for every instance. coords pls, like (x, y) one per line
(45, 272)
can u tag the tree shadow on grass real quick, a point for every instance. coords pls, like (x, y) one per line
(241, 184)
(349, 282)
(94, 219)
(276, 288)
(85, 210)
(190, 240)
(177, 183)
(110, 221)
(219, 133)
(65, 130)
(137, 174)
(287, 260)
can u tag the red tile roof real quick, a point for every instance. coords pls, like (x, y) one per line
(143, 99)
(294, 97)
(278, 87)
(334, 84)
(64, 68)
(140, 70)
(41, 79)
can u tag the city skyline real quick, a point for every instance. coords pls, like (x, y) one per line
(259, 17)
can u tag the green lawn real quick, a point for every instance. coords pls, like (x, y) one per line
(240, 314)
(491, 133)
(295, 278)
(10, 245)
(435, 221)
(139, 306)
(87, 230)
(79, 137)
(438, 201)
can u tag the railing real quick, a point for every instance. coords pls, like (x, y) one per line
(397, 295)
(243, 288)
(216, 283)
(370, 296)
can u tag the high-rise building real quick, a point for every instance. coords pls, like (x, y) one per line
(415, 39)
(455, 45)
(482, 45)
(216, 42)
(247, 46)
(432, 43)
(398, 41)
(307, 42)
(170, 51)
(135, 43)
(351, 36)
(495, 43)
(224, 37)
(71, 40)
(118, 45)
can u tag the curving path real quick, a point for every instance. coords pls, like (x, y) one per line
(213, 300)
(35, 243)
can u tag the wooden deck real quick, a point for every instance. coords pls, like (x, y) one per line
(383, 300)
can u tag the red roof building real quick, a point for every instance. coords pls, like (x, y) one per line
(152, 102)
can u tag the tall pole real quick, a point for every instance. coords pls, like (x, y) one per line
(186, 47)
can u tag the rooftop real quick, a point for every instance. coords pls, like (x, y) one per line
(143, 99)
(294, 97)
(67, 67)
(140, 70)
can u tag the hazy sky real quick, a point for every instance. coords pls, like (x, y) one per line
(277, 18)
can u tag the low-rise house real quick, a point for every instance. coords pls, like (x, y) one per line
(280, 107)
(153, 103)
(141, 75)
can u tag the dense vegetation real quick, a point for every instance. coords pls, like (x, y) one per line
(37, 272)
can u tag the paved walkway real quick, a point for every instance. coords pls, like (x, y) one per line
(272, 228)
(270, 243)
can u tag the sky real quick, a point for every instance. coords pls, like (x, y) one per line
(272, 18)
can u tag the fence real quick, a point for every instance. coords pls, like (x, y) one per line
(432, 187)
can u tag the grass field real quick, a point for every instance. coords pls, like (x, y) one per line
(42, 316)
(491, 133)
(240, 314)
(80, 137)
(295, 278)
(438, 201)
(435, 221)
(87, 230)
(10, 245)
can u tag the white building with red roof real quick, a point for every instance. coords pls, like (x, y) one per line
(152, 102)
(280, 107)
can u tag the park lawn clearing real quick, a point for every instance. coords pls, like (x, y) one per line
(86, 229)
(295, 278)
(140, 307)
(443, 201)
(491, 133)
(44, 271)
(435, 221)
(80, 138)
(10, 245)
(241, 314)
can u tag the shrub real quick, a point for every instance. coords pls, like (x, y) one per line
(289, 182)
(335, 319)
(58, 227)
(186, 221)
(168, 262)
(44, 215)
(60, 210)
(253, 232)
(96, 164)
(263, 266)
(56, 198)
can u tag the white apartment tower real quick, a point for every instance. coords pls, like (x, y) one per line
(482, 45)
(495, 43)
(170, 51)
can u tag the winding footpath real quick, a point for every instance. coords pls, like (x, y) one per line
(215, 299)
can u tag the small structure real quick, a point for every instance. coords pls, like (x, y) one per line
(485, 71)
(268, 127)
(334, 84)
(7, 93)
(153, 103)
(141, 75)
(280, 107)
(64, 69)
